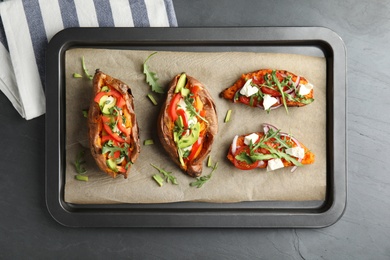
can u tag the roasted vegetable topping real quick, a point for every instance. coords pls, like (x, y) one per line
(188, 123)
(116, 120)
(185, 110)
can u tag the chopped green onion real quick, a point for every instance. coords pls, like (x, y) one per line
(85, 113)
(148, 142)
(158, 179)
(152, 99)
(76, 75)
(209, 164)
(81, 177)
(228, 115)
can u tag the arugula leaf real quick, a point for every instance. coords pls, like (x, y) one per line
(167, 175)
(202, 180)
(80, 160)
(302, 100)
(110, 148)
(276, 80)
(261, 157)
(193, 111)
(282, 155)
(243, 157)
(85, 69)
(151, 77)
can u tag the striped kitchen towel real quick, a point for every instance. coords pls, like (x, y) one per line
(26, 27)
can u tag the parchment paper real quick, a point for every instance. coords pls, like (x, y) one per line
(216, 71)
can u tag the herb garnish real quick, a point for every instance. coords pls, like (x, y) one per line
(168, 177)
(85, 69)
(151, 77)
(203, 179)
(80, 169)
(276, 80)
(192, 109)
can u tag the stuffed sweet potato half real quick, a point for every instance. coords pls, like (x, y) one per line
(269, 89)
(188, 123)
(269, 149)
(113, 128)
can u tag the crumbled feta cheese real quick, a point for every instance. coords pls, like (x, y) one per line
(268, 101)
(252, 137)
(305, 89)
(248, 90)
(274, 164)
(298, 152)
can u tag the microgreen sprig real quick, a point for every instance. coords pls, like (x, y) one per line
(203, 179)
(151, 77)
(168, 177)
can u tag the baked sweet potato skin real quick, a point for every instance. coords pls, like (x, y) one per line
(165, 127)
(95, 122)
(230, 92)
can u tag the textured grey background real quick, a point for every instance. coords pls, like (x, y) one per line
(28, 231)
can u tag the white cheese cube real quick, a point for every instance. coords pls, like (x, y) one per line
(268, 101)
(274, 164)
(248, 90)
(252, 137)
(298, 152)
(305, 89)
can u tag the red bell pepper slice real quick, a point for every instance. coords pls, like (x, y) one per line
(123, 128)
(111, 92)
(184, 116)
(106, 120)
(120, 102)
(106, 138)
(173, 107)
(196, 147)
(121, 169)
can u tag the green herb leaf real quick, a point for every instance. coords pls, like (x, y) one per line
(108, 147)
(85, 113)
(85, 69)
(167, 175)
(76, 75)
(79, 161)
(151, 77)
(244, 157)
(192, 109)
(203, 179)
(276, 80)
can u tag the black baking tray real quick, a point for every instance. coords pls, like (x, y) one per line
(316, 41)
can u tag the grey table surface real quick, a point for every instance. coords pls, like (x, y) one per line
(28, 231)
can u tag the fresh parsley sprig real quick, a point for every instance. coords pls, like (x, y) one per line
(151, 77)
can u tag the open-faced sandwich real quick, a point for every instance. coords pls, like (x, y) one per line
(269, 89)
(113, 128)
(188, 123)
(269, 149)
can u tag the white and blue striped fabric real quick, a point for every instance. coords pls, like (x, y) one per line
(26, 27)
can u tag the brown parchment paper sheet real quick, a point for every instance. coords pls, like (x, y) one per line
(216, 70)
